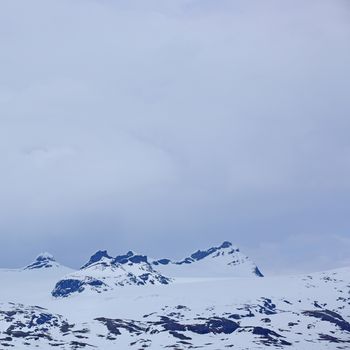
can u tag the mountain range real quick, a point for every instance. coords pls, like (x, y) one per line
(215, 298)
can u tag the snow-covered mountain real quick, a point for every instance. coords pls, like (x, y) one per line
(102, 273)
(44, 265)
(43, 261)
(283, 312)
(222, 261)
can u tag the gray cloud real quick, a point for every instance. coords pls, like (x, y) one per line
(168, 126)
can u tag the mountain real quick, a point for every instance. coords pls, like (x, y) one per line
(222, 261)
(284, 312)
(307, 311)
(43, 261)
(103, 273)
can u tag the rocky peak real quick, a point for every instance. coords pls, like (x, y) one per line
(43, 260)
(98, 256)
(131, 258)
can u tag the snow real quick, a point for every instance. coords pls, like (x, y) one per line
(301, 312)
(223, 261)
(45, 256)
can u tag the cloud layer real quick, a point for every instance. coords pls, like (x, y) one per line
(165, 126)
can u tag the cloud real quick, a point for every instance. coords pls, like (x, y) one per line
(158, 125)
(328, 251)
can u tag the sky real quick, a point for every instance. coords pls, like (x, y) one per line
(165, 126)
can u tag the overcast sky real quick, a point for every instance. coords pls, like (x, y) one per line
(164, 126)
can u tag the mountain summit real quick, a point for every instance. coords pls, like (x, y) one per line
(99, 256)
(43, 261)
